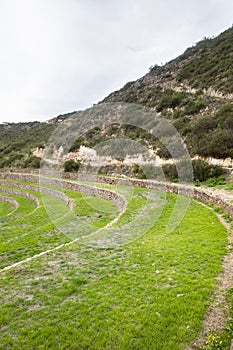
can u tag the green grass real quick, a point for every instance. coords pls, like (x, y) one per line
(228, 186)
(5, 209)
(29, 230)
(150, 293)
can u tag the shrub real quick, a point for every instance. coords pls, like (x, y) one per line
(32, 162)
(170, 172)
(137, 171)
(194, 107)
(204, 124)
(225, 115)
(71, 166)
(171, 100)
(216, 181)
(202, 171)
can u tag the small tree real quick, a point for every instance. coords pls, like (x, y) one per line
(71, 166)
(32, 162)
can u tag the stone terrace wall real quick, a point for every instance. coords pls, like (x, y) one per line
(92, 191)
(21, 194)
(190, 191)
(97, 192)
(19, 170)
(199, 194)
(49, 191)
(11, 201)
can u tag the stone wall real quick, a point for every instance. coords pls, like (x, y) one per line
(11, 201)
(200, 194)
(21, 194)
(91, 190)
(19, 170)
(49, 191)
(61, 184)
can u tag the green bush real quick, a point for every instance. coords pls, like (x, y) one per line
(194, 107)
(202, 171)
(172, 99)
(71, 166)
(170, 172)
(32, 162)
(204, 125)
(216, 181)
(137, 171)
(225, 116)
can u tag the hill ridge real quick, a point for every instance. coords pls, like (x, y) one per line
(193, 91)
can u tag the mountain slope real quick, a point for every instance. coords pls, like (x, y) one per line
(19, 140)
(207, 65)
(193, 91)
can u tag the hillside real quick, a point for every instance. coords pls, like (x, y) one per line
(19, 140)
(193, 91)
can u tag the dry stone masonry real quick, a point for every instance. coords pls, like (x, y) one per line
(21, 194)
(9, 200)
(199, 194)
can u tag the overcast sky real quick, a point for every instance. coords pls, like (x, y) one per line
(63, 55)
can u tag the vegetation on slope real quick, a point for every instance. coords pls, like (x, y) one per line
(212, 66)
(18, 140)
(193, 91)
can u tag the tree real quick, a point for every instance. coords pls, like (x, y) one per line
(71, 166)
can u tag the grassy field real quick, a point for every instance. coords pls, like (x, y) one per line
(5, 209)
(149, 293)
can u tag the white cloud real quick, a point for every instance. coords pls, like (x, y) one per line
(61, 55)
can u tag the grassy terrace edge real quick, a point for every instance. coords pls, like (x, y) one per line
(129, 298)
(197, 193)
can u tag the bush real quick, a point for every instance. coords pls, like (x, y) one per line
(163, 152)
(32, 162)
(171, 100)
(216, 181)
(225, 115)
(194, 107)
(202, 171)
(204, 124)
(71, 166)
(170, 172)
(137, 171)
(221, 144)
(153, 172)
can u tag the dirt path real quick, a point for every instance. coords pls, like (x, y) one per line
(216, 315)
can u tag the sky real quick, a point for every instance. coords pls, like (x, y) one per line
(58, 56)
